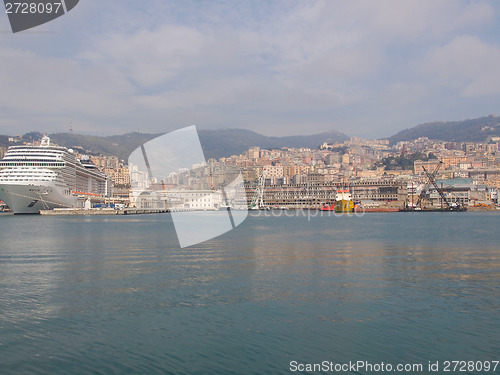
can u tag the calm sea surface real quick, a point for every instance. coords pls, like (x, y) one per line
(117, 295)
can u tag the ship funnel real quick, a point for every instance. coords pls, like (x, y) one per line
(45, 141)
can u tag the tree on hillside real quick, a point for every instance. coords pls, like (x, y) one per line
(405, 162)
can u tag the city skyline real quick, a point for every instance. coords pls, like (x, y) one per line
(281, 68)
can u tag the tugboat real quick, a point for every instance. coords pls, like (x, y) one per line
(344, 201)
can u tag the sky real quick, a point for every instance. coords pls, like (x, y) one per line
(365, 68)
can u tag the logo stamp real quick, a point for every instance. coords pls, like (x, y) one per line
(26, 14)
(170, 173)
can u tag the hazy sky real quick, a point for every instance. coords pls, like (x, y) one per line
(366, 68)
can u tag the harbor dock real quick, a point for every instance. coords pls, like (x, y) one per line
(100, 211)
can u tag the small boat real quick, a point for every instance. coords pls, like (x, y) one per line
(328, 208)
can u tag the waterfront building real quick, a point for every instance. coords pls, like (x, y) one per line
(313, 195)
(177, 199)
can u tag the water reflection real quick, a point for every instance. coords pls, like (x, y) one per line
(270, 290)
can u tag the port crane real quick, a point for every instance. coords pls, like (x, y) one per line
(258, 196)
(449, 206)
(430, 178)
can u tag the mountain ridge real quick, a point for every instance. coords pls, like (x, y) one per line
(233, 141)
(470, 130)
(215, 143)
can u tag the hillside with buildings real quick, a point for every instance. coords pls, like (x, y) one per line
(474, 130)
(226, 142)
(379, 175)
(304, 172)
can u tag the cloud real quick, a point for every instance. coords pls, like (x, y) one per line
(150, 57)
(401, 20)
(277, 67)
(467, 65)
(49, 85)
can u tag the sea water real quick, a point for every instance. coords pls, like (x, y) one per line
(117, 295)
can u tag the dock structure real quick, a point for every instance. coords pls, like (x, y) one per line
(100, 211)
(315, 196)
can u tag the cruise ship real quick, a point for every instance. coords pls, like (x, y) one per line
(34, 178)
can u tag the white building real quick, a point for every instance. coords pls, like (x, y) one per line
(189, 200)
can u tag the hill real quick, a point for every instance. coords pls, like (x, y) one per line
(4, 141)
(473, 130)
(227, 142)
(118, 145)
(215, 143)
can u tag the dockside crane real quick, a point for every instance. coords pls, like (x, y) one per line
(432, 180)
(452, 206)
(430, 176)
(258, 196)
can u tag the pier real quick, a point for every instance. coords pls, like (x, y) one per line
(100, 211)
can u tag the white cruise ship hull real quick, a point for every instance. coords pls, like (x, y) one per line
(30, 198)
(44, 177)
